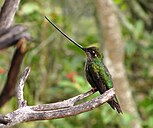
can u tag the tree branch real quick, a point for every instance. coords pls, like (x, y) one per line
(63, 104)
(7, 13)
(9, 87)
(54, 110)
(12, 35)
(21, 101)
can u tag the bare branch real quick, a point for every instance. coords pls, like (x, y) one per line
(25, 114)
(12, 35)
(21, 101)
(9, 88)
(4, 119)
(7, 13)
(51, 111)
(63, 104)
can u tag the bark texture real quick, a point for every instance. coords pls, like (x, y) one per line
(56, 110)
(10, 36)
(7, 13)
(9, 87)
(115, 50)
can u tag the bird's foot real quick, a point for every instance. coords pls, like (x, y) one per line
(94, 90)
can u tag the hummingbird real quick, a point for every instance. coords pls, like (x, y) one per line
(96, 72)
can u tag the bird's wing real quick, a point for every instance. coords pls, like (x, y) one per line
(89, 77)
(100, 78)
(94, 73)
(106, 76)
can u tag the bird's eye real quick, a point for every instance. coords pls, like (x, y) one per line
(94, 53)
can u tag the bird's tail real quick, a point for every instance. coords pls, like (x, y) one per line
(115, 105)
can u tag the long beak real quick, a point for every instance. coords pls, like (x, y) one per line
(65, 34)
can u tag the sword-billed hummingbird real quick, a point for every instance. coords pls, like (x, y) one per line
(96, 72)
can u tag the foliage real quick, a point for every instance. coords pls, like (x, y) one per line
(57, 65)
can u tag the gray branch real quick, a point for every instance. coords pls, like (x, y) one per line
(10, 36)
(63, 104)
(7, 13)
(51, 111)
(21, 101)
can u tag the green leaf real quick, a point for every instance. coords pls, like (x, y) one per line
(29, 8)
(148, 123)
(130, 48)
(139, 28)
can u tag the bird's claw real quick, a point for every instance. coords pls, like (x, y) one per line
(94, 90)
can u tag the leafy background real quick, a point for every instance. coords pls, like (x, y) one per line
(58, 66)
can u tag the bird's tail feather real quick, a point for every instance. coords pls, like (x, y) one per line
(115, 105)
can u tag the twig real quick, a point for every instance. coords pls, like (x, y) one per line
(21, 101)
(54, 110)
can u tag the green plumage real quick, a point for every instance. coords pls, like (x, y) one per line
(97, 73)
(99, 67)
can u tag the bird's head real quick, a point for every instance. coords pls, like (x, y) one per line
(93, 52)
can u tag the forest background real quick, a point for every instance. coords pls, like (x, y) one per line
(57, 66)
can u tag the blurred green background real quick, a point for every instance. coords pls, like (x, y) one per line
(57, 66)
